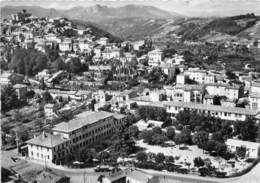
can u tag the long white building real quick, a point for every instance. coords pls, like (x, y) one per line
(70, 137)
(225, 113)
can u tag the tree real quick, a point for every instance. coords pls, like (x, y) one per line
(158, 139)
(28, 61)
(167, 122)
(154, 113)
(217, 136)
(23, 133)
(200, 138)
(170, 133)
(218, 147)
(74, 66)
(157, 130)
(231, 75)
(52, 54)
(147, 136)
(241, 152)
(103, 156)
(123, 143)
(159, 158)
(198, 162)
(184, 137)
(9, 99)
(216, 100)
(133, 131)
(59, 64)
(46, 97)
(141, 156)
(92, 104)
(169, 159)
(204, 171)
(249, 130)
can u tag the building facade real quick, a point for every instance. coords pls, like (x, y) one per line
(72, 136)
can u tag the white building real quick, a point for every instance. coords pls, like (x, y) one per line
(254, 96)
(84, 45)
(185, 93)
(48, 147)
(138, 44)
(178, 59)
(103, 41)
(181, 79)
(255, 87)
(254, 101)
(89, 127)
(69, 137)
(222, 112)
(111, 53)
(200, 76)
(230, 91)
(66, 45)
(252, 148)
(155, 57)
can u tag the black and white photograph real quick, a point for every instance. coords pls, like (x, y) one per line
(130, 91)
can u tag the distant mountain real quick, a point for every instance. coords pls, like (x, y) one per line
(94, 13)
(38, 11)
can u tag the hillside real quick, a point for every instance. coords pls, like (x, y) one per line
(94, 30)
(221, 27)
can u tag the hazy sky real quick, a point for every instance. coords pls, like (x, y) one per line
(185, 7)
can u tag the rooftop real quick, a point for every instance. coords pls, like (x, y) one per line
(140, 176)
(82, 119)
(254, 95)
(47, 177)
(19, 86)
(47, 140)
(256, 84)
(242, 143)
(216, 108)
(224, 85)
(189, 87)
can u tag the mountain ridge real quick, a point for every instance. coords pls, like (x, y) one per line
(94, 13)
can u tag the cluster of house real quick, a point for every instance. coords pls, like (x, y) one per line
(206, 92)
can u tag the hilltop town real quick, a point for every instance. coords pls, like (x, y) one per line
(74, 96)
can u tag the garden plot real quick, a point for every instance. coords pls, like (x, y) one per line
(191, 152)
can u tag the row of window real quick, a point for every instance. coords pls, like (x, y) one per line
(209, 112)
(40, 155)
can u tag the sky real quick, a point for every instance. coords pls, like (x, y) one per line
(185, 7)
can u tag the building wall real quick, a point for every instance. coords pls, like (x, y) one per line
(216, 90)
(251, 152)
(131, 180)
(255, 89)
(40, 153)
(90, 134)
(180, 79)
(254, 103)
(222, 115)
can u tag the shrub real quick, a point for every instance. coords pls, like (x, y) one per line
(204, 171)
(198, 162)
(170, 133)
(159, 158)
(241, 152)
(220, 174)
(141, 156)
